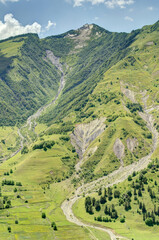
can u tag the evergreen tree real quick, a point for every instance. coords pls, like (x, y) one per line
(140, 205)
(100, 191)
(102, 200)
(93, 201)
(97, 206)
(139, 192)
(143, 208)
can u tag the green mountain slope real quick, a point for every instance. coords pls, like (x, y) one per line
(93, 51)
(108, 77)
(27, 81)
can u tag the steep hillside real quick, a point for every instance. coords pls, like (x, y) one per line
(114, 76)
(93, 50)
(27, 81)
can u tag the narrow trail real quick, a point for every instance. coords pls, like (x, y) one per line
(115, 177)
(32, 119)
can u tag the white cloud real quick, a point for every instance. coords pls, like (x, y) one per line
(108, 3)
(118, 3)
(78, 3)
(96, 18)
(150, 8)
(4, 1)
(129, 19)
(50, 24)
(12, 27)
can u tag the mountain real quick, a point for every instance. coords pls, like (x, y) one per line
(79, 121)
(27, 80)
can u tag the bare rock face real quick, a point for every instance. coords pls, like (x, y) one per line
(54, 60)
(86, 133)
(128, 93)
(149, 43)
(131, 144)
(119, 149)
(82, 36)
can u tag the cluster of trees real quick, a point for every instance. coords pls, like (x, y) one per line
(7, 173)
(133, 107)
(11, 182)
(44, 145)
(5, 203)
(138, 188)
(65, 138)
(92, 204)
(149, 217)
(63, 129)
(8, 182)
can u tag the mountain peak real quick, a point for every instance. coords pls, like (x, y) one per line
(86, 26)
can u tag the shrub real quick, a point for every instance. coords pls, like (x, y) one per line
(116, 194)
(149, 221)
(122, 220)
(43, 215)
(129, 178)
(53, 225)
(24, 150)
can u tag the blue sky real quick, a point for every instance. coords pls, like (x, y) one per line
(52, 17)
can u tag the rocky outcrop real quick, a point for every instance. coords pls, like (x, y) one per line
(86, 133)
(54, 60)
(128, 93)
(82, 36)
(119, 149)
(132, 143)
(149, 43)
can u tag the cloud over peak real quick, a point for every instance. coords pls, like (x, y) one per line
(12, 27)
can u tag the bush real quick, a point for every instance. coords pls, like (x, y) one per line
(24, 150)
(65, 138)
(149, 221)
(53, 225)
(129, 178)
(18, 184)
(43, 215)
(55, 228)
(122, 220)
(116, 194)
